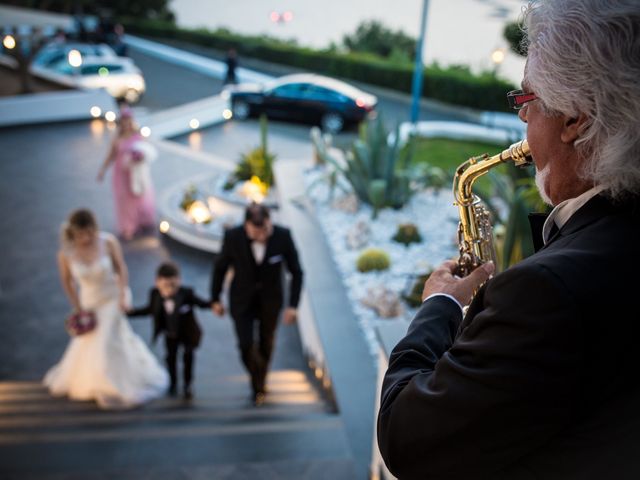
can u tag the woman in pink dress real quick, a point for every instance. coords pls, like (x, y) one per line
(132, 188)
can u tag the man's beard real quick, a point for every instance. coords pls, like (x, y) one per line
(541, 180)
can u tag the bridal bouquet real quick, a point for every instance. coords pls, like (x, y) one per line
(142, 150)
(142, 153)
(79, 323)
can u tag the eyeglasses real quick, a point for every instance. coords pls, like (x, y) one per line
(518, 99)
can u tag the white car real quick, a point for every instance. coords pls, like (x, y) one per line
(118, 76)
(54, 53)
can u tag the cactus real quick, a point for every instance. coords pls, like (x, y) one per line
(376, 169)
(407, 233)
(373, 259)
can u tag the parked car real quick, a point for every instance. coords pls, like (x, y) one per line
(309, 98)
(54, 53)
(118, 76)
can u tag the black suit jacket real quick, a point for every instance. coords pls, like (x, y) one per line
(182, 323)
(252, 282)
(541, 378)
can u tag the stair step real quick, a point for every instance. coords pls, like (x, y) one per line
(164, 431)
(219, 434)
(318, 469)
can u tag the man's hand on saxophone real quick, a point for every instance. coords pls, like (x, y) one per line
(443, 281)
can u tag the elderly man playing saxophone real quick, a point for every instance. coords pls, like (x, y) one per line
(539, 379)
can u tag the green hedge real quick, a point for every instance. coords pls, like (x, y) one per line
(455, 85)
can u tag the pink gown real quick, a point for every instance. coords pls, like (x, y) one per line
(133, 212)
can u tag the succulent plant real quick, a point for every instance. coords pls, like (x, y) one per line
(413, 296)
(190, 195)
(407, 233)
(256, 163)
(373, 259)
(377, 170)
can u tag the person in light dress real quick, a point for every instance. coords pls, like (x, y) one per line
(110, 364)
(133, 191)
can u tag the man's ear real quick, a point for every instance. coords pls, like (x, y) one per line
(573, 127)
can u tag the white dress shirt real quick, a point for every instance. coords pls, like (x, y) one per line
(169, 305)
(562, 212)
(258, 249)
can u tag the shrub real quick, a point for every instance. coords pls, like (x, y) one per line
(190, 195)
(414, 296)
(407, 233)
(374, 37)
(514, 34)
(373, 259)
(256, 163)
(455, 85)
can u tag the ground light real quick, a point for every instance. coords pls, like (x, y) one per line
(9, 42)
(198, 212)
(95, 111)
(164, 226)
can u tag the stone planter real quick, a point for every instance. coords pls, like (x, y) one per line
(225, 208)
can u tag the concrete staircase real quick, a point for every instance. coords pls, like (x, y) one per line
(218, 435)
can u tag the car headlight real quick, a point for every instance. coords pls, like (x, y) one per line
(136, 83)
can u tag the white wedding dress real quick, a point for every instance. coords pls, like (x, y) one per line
(111, 364)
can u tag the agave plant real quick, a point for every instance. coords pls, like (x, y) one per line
(376, 169)
(520, 196)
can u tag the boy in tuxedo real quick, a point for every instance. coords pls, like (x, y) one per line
(171, 306)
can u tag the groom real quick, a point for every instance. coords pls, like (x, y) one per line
(257, 251)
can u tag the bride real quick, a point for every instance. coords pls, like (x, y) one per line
(110, 364)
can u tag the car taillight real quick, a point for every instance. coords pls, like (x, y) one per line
(362, 103)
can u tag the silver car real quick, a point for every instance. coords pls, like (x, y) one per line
(55, 52)
(118, 76)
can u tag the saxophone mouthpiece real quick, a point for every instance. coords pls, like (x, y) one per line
(520, 153)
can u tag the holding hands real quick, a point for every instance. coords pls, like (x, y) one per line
(290, 316)
(124, 299)
(217, 308)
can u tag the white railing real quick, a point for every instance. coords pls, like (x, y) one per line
(53, 106)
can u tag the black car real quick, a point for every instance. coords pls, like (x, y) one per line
(309, 98)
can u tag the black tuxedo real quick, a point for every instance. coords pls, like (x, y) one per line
(179, 328)
(540, 379)
(256, 292)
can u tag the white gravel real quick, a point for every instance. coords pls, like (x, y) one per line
(431, 210)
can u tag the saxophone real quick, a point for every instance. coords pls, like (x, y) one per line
(475, 233)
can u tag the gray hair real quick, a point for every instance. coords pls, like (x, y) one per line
(587, 61)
